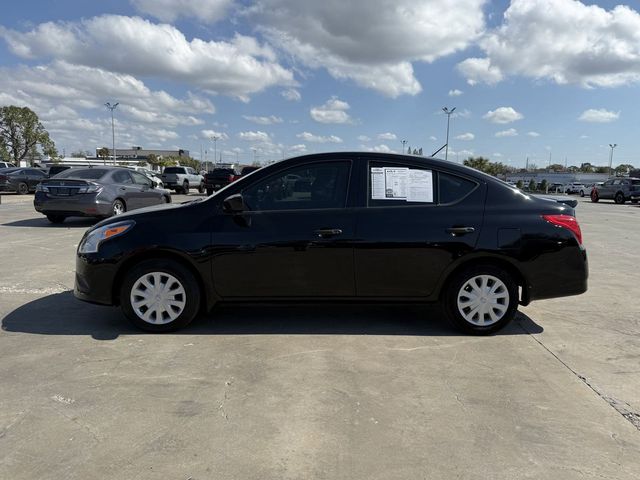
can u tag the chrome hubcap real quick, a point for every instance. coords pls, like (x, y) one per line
(158, 298)
(483, 300)
(118, 208)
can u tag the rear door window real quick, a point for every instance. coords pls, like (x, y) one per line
(122, 177)
(397, 185)
(453, 188)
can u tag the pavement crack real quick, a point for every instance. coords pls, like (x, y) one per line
(619, 406)
(225, 397)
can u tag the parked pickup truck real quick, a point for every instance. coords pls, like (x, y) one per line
(221, 177)
(181, 179)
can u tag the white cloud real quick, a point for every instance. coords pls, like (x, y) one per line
(310, 137)
(599, 116)
(238, 67)
(565, 41)
(466, 136)
(69, 99)
(382, 148)
(291, 94)
(511, 132)
(299, 148)
(270, 120)
(432, 138)
(370, 42)
(503, 115)
(387, 136)
(209, 134)
(533, 134)
(497, 155)
(170, 10)
(364, 138)
(254, 136)
(455, 93)
(334, 110)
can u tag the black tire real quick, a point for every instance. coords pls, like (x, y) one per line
(22, 189)
(582, 193)
(201, 188)
(619, 198)
(118, 207)
(181, 274)
(166, 199)
(455, 286)
(56, 218)
(634, 201)
(594, 196)
(209, 192)
(185, 188)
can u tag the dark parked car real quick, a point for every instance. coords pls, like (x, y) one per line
(219, 178)
(618, 189)
(358, 226)
(20, 180)
(96, 192)
(56, 169)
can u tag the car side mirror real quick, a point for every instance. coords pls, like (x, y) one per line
(151, 185)
(234, 204)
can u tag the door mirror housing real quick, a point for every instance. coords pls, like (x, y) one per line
(234, 204)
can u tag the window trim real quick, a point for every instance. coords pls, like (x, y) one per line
(349, 161)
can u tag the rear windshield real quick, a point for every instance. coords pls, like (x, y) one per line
(174, 170)
(225, 171)
(84, 174)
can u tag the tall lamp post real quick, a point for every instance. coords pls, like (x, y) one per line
(448, 113)
(612, 145)
(404, 143)
(113, 129)
(215, 139)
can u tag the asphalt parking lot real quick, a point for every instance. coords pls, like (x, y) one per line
(323, 392)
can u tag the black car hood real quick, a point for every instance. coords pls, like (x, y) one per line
(136, 214)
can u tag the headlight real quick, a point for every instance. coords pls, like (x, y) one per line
(91, 242)
(41, 188)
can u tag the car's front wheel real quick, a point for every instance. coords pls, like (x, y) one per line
(481, 300)
(619, 198)
(56, 218)
(118, 207)
(160, 295)
(594, 196)
(23, 188)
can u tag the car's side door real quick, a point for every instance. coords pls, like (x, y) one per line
(606, 190)
(126, 189)
(146, 195)
(33, 177)
(294, 238)
(415, 222)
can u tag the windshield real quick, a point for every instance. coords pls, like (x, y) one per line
(174, 170)
(83, 174)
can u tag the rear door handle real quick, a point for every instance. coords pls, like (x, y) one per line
(328, 232)
(455, 231)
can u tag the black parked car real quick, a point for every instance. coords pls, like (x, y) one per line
(20, 180)
(96, 192)
(368, 227)
(219, 178)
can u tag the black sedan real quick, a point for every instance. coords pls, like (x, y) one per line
(20, 180)
(367, 227)
(96, 192)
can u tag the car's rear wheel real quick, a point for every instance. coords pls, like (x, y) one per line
(118, 207)
(201, 188)
(582, 193)
(185, 188)
(56, 218)
(23, 188)
(160, 295)
(619, 198)
(481, 300)
(594, 196)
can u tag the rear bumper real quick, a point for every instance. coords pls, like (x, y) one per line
(561, 274)
(79, 205)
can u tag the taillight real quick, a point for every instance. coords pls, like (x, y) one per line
(566, 221)
(3, 178)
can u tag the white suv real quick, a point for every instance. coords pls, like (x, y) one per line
(6, 165)
(575, 187)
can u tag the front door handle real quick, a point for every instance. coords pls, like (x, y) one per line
(328, 232)
(456, 231)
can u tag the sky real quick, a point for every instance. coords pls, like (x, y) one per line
(549, 80)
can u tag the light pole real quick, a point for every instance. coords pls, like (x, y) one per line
(113, 129)
(404, 142)
(612, 145)
(448, 112)
(215, 139)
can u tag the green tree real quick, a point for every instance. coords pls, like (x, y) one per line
(479, 163)
(556, 167)
(80, 153)
(624, 169)
(543, 185)
(520, 184)
(103, 153)
(21, 132)
(532, 185)
(586, 168)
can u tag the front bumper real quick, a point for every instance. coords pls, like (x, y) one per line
(83, 205)
(94, 280)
